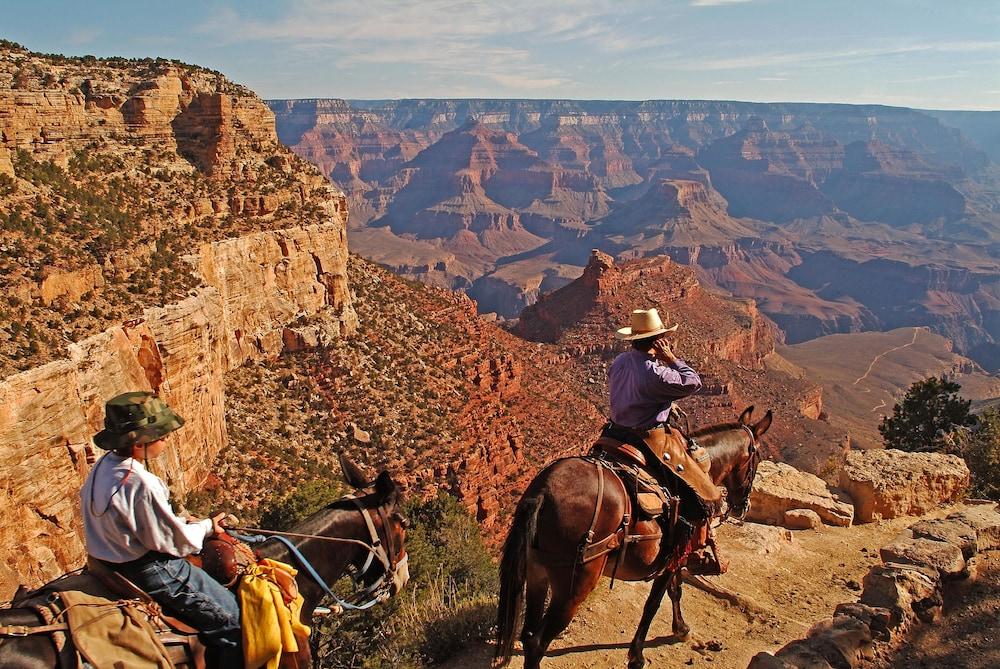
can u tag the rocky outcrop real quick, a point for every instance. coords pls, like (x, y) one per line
(904, 592)
(780, 489)
(890, 483)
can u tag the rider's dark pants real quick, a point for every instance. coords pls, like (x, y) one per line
(190, 594)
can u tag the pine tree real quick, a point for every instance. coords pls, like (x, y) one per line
(925, 419)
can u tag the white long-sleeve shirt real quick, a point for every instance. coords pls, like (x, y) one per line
(123, 526)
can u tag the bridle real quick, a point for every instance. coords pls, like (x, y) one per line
(395, 563)
(395, 569)
(755, 456)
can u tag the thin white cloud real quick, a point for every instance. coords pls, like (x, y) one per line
(84, 35)
(442, 36)
(716, 3)
(836, 57)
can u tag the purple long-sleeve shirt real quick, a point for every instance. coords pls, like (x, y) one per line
(643, 388)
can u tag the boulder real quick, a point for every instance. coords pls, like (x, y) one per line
(909, 592)
(876, 618)
(779, 488)
(802, 519)
(985, 520)
(762, 539)
(944, 557)
(891, 483)
(949, 530)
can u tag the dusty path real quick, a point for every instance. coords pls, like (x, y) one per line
(878, 357)
(792, 583)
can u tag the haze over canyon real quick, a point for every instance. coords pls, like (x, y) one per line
(834, 218)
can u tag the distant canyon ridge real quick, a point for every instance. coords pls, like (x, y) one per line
(834, 218)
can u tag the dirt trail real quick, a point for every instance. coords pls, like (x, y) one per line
(881, 355)
(792, 584)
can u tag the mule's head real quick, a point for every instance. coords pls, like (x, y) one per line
(383, 497)
(739, 478)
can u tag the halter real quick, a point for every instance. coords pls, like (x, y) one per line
(751, 474)
(395, 573)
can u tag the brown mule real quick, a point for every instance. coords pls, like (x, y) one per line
(574, 524)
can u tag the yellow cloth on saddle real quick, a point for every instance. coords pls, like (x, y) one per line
(271, 605)
(112, 634)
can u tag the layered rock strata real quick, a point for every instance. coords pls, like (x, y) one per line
(258, 285)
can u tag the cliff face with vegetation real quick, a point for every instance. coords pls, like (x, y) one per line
(153, 235)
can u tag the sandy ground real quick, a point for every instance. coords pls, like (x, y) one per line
(792, 584)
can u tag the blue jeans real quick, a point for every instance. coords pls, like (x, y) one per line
(190, 594)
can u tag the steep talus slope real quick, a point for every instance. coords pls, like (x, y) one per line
(153, 235)
(441, 397)
(726, 340)
(887, 192)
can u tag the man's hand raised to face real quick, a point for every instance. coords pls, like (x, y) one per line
(662, 351)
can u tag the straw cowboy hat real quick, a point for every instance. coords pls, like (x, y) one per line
(133, 419)
(645, 323)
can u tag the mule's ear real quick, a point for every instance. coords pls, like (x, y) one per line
(385, 487)
(352, 473)
(761, 426)
(745, 416)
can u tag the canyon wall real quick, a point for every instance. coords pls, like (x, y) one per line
(777, 201)
(257, 286)
(167, 239)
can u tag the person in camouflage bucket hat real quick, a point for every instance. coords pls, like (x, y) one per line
(135, 419)
(131, 527)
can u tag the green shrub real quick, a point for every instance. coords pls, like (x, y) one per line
(925, 419)
(307, 499)
(450, 599)
(980, 447)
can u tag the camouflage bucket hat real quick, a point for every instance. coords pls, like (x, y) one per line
(133, 419)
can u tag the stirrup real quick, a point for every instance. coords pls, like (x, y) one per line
(706, 563)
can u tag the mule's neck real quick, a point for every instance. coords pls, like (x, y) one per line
(330, 559)
(726, 447)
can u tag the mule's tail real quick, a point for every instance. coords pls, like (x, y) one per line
(513, 577)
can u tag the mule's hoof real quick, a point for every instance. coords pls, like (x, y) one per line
(682, 634)
(637, 664)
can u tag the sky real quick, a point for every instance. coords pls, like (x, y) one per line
(916, 53)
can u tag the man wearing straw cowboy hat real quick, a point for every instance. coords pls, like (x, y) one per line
(130, 526)
(644, 382)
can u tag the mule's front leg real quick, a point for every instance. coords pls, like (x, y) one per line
(680, 628)
(635, 659)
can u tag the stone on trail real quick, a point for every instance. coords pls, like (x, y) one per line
(949, 530)
(946, 558)
(802, 519)
(985, 519)
(780, 488)
(909, 592)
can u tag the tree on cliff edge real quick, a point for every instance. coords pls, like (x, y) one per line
(980, 447)
(925, 419)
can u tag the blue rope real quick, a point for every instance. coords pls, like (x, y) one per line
(305, 564)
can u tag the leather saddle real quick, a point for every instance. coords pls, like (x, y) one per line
(647, 494)
(671, 448)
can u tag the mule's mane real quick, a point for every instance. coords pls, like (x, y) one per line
(715, 429)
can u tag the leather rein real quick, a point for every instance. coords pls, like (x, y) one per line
(394, 571)
(755, 458)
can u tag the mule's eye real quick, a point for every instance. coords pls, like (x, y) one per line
(403, 522)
